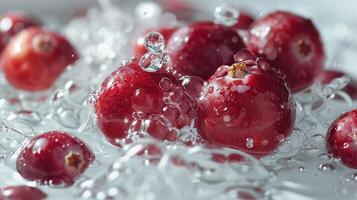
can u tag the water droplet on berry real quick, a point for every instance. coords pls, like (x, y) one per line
(154, 42)
(249, 143)
(226, 15)
(165, 84)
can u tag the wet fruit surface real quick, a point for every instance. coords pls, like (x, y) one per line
(292, 44)
(35, 58)
(132, 98)
(55, 158)
(341, 139)
(198, 49)
(21, 193)
(139, 47)
(12, 23)
(246, 106)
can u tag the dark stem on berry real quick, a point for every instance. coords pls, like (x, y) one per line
(74, 160)
(304, 48)
(238, 70)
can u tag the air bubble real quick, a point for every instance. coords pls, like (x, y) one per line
(226, 15)
(327, 167)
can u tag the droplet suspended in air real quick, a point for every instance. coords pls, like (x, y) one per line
(226, 15)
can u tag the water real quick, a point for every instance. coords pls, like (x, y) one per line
(148, 169)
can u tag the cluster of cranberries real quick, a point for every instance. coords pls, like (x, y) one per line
(236, 94)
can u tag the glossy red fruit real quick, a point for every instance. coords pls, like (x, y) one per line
(341, 139)
(246, 106)
(35, 58)
(327, 76)
(198, 49)
(139, 47)
(54, 158)
(21, 192)
(142, 101)
(12, 23)
(292, 44)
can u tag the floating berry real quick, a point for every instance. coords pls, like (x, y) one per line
(292, 44)
(54, 158)
(198, 49)
(35, 58)
(21, 193)
(246, 106)
(341, 139)
(327, 76)
(139, 47)
(12, 23)
(133, 98)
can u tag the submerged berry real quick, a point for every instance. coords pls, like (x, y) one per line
(199, 48)
(54, 158)
(246, 106)
(35, 58)
(12, 23)
(341, 139)
(131, 98)
(21, 192)
(292, 44)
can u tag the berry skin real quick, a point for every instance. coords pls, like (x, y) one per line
(341, 139)
(21, 193)
(327, 76)
(54, 158)
(139, 47)
(198, 49)
(35, 58)
(246, 106)
(132, 98)
(292, 44)
(12, 23)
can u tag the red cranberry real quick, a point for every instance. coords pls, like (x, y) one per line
(133, 98)
(198, 49)
(246, 106)
(327, 76)
(12, 23)
(341, 139)
(54, 158)
(21, 193)
(292, 44)
(35, 58)
(139, 47)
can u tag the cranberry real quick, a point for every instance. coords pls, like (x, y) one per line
(135, 99)
(139, 47)
(12, 23)
(35, 58)
(292, 44)
(246, 106)
(198, 49)
(21, 193)
(54, 158)
(341, 139)
(327, 76)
